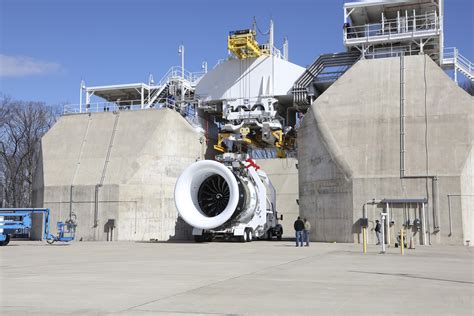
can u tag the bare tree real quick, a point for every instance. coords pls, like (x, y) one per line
(22, 124)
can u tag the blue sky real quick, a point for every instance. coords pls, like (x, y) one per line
(56, 43)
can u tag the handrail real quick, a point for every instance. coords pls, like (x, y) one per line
(414, 24)
(452, 56)
(177, 72)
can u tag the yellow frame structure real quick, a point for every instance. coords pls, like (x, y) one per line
(243, 44)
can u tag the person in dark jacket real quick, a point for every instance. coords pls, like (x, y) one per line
(299, 228)
(378, 233)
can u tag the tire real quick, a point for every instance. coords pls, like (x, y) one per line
(249, 235)
(50, 241)
(208, 237)
(5, 242)
(198, 238)
(279, 237)
(269, 235)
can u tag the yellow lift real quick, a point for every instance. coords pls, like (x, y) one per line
(243, 44)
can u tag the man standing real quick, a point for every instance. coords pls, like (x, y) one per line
(299, 227)
(307, 227)
(378, 233)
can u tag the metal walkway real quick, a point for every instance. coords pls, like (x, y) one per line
(320, 75)
(453, 60)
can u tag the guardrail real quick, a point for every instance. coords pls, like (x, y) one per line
(392, 28)
(176, 72)
(451, 56)
(127, 105)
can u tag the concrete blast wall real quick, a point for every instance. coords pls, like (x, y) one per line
(284, 176)
(349, 152)
(117, 166)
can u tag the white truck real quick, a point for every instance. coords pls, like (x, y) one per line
(230, 198)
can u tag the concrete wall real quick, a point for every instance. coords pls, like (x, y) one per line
(117, 166)
(349, 150)
(284, 176)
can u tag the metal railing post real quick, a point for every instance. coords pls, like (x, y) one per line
(383, 231)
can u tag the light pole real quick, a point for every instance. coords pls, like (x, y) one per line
(83, 86)
(181, 52)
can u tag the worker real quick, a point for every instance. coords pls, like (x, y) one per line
(299, 228)
(307, 227)
(378, 232)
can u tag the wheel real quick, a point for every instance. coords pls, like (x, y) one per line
(207, 237)
(5, 242)
(50, 241)
(269, 235)
(245, 237)
(279, 237)
(198, 238)
(249, 235)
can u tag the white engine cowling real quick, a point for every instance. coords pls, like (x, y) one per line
(208, 194)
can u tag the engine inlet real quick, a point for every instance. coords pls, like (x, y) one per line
(213, 195)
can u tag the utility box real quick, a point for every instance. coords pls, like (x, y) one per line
(364, 222)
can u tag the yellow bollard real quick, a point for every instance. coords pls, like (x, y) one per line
(364, 239)
(402, 243)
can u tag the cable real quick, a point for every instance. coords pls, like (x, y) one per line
(258, 29)
(426, 127)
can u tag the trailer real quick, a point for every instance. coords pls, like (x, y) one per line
(16, 219)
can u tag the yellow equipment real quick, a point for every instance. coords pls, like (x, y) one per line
(243, 44)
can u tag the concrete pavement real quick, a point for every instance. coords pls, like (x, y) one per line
(220, 278)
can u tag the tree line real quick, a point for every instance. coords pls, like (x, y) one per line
(22, 125)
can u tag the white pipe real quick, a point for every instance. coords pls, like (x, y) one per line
(270, 40)
(81, 91)
(383, 231)
(423, 223)
(414, 21)
(406, 20)
(441, 30)
(88, 101)
(388, 223)
(181, 52)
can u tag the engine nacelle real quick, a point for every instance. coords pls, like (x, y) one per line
(209, 194)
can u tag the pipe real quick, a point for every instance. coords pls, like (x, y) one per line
(364, 239)
(70, 201)
(434, 178)
(402, 116)
(388, 223)
(383, 232)
(428, 229)
(449, 215)
(435, 197)
(423, 223)
(364, 207)
(96, 205)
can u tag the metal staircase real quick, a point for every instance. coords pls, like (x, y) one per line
(320, 75)
(453, 60)
(158, 94)
(174, 79)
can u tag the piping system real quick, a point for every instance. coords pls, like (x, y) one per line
(433, 178)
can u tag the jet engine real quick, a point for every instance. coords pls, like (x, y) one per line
(208, 194)
(230, 197)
